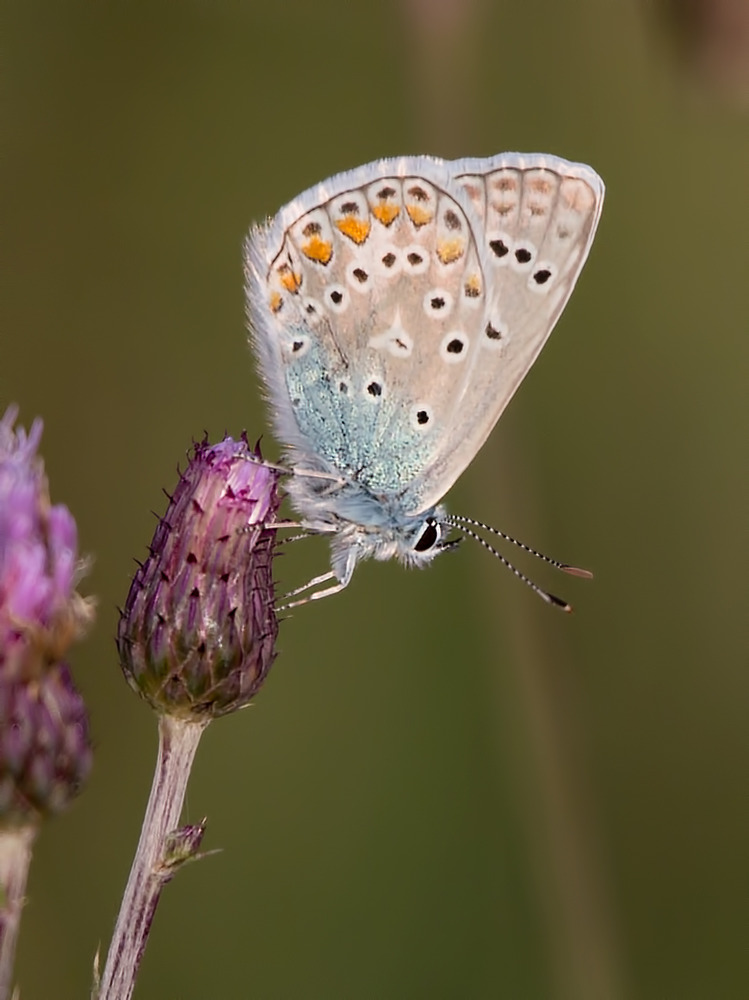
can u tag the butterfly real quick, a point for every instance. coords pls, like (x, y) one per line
(394, 310)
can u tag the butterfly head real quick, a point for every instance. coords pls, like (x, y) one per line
(425, 539)
(413, 541)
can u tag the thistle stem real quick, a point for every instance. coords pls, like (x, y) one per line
(15, 858)
(161, 851)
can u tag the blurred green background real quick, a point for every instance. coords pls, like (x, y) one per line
(446, 788)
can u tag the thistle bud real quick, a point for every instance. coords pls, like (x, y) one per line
(45, 752)
(197, 634)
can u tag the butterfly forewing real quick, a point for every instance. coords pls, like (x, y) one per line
(535, 219)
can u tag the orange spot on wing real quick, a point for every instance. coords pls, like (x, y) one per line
(386, 213)
(473, 286)
(317, 249)
(577, 195)
(276, 301)
(290, 280)
(356, 229)
(418, 215)
(450, 250)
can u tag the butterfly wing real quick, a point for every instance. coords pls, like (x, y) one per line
(537, 216)
(396, 308)
(359, 292)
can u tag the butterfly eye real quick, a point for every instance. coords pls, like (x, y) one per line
(430, 535)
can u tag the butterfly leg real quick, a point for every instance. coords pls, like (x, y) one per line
(285, 470)
(291, 538)
(326, 592)
(310, 527)
(341, 582)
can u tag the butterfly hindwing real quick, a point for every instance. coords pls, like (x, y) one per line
(372, 300)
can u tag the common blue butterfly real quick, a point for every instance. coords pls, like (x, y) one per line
(394, 310)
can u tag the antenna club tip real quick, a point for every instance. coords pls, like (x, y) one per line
(584, 574)
(556, 601)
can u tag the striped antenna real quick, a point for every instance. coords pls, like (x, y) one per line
(460, 523)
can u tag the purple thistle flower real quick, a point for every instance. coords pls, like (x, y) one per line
(45, 752)
(197, 635)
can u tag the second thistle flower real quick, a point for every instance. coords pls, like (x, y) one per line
(197, 635)
(45, 751)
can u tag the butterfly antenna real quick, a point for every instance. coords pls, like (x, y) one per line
(543, 594)
(456, 521)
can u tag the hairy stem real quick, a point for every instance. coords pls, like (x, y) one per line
(15, 858)
(161, 850)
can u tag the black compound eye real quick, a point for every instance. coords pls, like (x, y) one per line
(429, 536)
